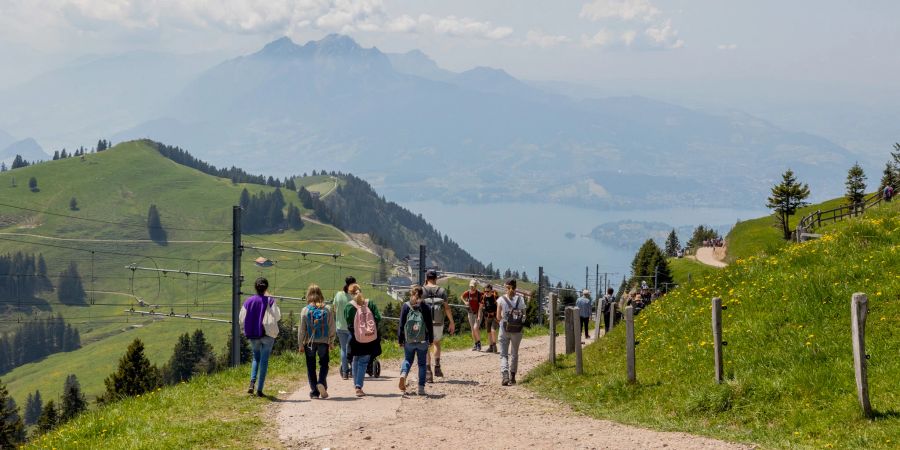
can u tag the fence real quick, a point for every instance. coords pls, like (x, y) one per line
(817, 218)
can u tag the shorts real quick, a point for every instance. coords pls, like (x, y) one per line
(491, 322)
(438, 333)
(474, 319)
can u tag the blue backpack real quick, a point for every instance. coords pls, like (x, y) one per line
(316, 323)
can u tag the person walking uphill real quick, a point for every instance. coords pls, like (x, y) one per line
(472, 298)
(584, 311)
(436, 297)
(415, 335)
(316, 337)
(608, 302)
(341, 300)
(489, 312)
(259, 320)
(363, 319)
(511, 309)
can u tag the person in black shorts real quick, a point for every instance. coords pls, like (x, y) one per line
(489, 311)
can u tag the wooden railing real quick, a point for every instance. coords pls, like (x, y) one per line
(817, 218)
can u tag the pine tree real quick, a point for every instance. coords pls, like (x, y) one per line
(71, 289)
(73, 402)
(155, 227)
(245, 353)
(33, 407)
(672, 244)
(32, 184)
(19, 162)
(135, 375)
(73, 204)
(49, 418)
(12, 430)
(787, 197)
(181, 364)
(650, 264)
(245, 199)
(56, 155)
(856, 184)
(889, 177)
(203, 355)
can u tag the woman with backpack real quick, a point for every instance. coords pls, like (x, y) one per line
(511, 310)
(259, 320)
(415, 335)
(316, 337)
(362, 321)
(489, 311)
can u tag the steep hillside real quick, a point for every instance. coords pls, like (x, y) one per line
(788, 362)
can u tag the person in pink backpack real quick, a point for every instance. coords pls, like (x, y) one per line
(363, 319)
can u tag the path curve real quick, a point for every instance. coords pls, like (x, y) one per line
(712, 256)
(461, 411)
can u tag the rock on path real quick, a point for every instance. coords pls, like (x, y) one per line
(467, 408)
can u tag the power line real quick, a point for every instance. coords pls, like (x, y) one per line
(106, 252)
(108, 222)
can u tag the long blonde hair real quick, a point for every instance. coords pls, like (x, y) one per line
(314, 296)
(356, 292)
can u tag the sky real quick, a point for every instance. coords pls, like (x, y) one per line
(760, 56)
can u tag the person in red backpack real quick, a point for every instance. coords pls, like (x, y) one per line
(316, 338)
(365, 343)
(472, 299)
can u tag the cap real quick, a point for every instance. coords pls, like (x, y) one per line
(585, 292)
(473, 283)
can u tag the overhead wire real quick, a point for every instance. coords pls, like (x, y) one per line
(121, 224)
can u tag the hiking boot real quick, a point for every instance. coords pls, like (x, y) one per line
(323, 393)
(260, 394)
(359, 392)
(421, 391)
(252, 387)
(429, 377)
(402, 385)
(478, 346)
(512, 378)
(437, 371)
(505, 381)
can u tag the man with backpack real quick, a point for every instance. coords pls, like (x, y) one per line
(472, 298)
(415, 335)
(489, 312)
(259, 320)
(435, 297)
(316, 337)
(605, 305)
(584, 305)
(511, 309)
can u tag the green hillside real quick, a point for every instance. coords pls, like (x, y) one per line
(788, 362)
(114, 190)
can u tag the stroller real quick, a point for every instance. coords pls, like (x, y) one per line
(374, 368)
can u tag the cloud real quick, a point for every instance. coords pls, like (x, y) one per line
(664, 36)
(619, 9)
(543, 40)
(465, 27)
(727, 47)
(601, 39)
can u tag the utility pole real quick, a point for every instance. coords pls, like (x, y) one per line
(236, 286)
(655, 277)
(422, 265)
(586, 277)
(540, 295)
(597, 284)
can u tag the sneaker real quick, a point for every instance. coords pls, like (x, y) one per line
(313, 395)
(475, 347)
(402, 384)
(437, 371)
(512, 378)
(429, 376)
(359, 392)
(260, 394)
(323, 393)
(505, 381)
(252, 387)
(478, 346)
(345, 374)
(421, 391)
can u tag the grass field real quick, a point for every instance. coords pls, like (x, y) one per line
(788, 363)
(685, 270)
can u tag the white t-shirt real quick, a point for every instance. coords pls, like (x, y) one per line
(505, 305)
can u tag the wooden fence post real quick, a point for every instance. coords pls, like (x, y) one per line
(570, 329)
(717, 336)
(612, 316)
(579, 368)
(552, 329)
(598, 321)
(629, 343)
(859, 306)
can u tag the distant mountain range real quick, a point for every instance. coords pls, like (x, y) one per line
(417, 131)
(27, 148)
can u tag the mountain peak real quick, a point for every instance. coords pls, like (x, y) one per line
(282, 46)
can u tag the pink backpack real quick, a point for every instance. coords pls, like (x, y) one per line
(364, 329)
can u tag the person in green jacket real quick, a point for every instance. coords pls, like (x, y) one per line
(341, 300)
(365, 343)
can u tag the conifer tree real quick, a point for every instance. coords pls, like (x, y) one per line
(181, 364)
(672, 244)
(856, 184)
(12, 430)
(245, 352)
(203, 355)
(73, 401)
(33, 407)
(73, 204)
(786, 198)
(32, 184)
(71, 289)
(649, 264)
(134, 376)
(889, 177)
(49, 418)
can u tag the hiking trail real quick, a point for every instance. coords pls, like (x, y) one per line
(464, 409)
(712, 256)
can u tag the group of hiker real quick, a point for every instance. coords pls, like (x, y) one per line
(354, 320)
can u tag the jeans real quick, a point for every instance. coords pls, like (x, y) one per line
(418, 351)
(508, 340)
(360, 363)
(311, 351)
(261, 347)
(344, 339)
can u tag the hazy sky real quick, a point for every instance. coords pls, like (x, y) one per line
(760, 56)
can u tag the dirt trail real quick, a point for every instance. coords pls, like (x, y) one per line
(463, 410)
(712, 256)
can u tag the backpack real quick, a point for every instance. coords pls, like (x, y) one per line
(414, 328)
(515, 319)
(270, 321)
(364, 329)
(490, 304)
(434, 297)
(316, 323)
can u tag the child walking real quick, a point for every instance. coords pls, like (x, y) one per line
(316, 338)
(415, 335)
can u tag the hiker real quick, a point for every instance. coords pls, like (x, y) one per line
(341, 300)
(415, 334)
(472, 298)
(316, 337)
(637, 302)
(489, 312)
(584, 311)
(362, 318)
(259, 319)
(888, 193)
(645, 293)
(511, 309)
(609, 301)
(436, 297)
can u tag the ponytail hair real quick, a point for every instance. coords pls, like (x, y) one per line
(415, 293)
(356, 292)
(314, 296)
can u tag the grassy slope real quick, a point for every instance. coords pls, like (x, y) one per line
(118, 185)
(788, 362)
(686, 270)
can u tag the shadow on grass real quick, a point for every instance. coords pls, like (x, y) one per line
(882, 415)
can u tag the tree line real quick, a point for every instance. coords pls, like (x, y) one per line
(37, 339)
(264, 213)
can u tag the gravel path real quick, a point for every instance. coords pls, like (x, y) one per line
(466, 409)
(712, 256)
